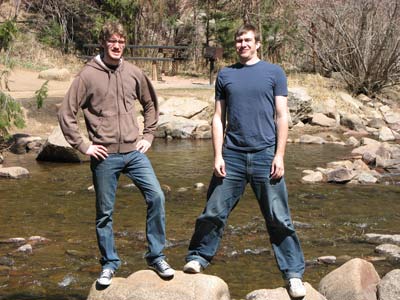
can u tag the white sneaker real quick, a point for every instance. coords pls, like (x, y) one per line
(193, 267)
(296, 288)
(163, 269)
(105, 277)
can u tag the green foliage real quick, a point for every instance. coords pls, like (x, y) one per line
(41, 94)
(10, 114)
(50, 34)
(8, 31)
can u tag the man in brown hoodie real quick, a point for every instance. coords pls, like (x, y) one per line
(106, 90)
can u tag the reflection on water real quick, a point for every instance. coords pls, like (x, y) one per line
(55, 203)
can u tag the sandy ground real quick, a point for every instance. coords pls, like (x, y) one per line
(24, 83)
(41, 122)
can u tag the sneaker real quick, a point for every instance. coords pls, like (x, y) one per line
(105, 277)
(193, 267)
(296, 288)
(162, 268)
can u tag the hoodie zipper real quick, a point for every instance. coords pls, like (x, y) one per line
(118, 112)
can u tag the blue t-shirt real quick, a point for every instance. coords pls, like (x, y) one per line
(249, 92)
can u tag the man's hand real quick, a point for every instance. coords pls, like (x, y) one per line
(97, 151)
(142, 146)
(277, 168)
(219, 167)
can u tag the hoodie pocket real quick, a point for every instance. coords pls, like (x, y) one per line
(129, 127)
(107, 131)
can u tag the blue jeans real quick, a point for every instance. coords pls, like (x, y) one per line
(224, 194)
(106, 173)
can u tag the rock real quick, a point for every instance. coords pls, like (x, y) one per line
(391, 117)
(388, 250)
(199, 185)
(299, 104)
(376, 123)
(329, 260)
(14, 172)
(363, 98)
(350, 101)
(147, 285)
(27, 248)
(6, 261)
(182, 107)
(16, 240)
(366, 178)
(313, 177)
(360, 165)
(55, 74)
(21, 142)
(352, 141)
(340, 175)
(388, 287)
(322, 120)
(57, 149)
(282, 294)
(386, 134)
(383, 238)
(371, 148)
(340, 164)
(357, 279)
(178, 127)
(309, 139)
(353, 122)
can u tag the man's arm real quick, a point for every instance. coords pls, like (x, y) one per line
(277, 168)
(218, 128)
(69, 124)
(148, 99)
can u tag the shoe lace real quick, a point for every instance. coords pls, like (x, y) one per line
(295, 283)
(163, 265)
(107, 273)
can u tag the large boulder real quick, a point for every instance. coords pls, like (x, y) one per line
(322, 120)
(282, 294)
(182, 107)
(300, 105)
(55, 74)
(388, 287)
(179, 127)
(357, 279)
(147, 285)
(57, 149)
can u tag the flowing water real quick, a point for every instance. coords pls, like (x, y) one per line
(55, 203)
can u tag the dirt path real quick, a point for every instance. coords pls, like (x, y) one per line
(41, 122)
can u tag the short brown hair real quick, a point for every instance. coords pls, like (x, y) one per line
(109, 28)
(246, 28)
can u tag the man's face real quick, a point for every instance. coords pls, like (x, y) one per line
(246, 46)
(113, 48)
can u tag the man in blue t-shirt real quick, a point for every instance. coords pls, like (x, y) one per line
(249, 133)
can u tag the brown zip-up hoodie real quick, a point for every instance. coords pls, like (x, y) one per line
(107, 99)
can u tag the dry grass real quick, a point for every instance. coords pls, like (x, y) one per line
(321, 89)
(29, 53)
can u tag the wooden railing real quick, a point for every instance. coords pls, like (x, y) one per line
(160, 54)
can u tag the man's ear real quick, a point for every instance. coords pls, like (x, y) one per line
(258, 45)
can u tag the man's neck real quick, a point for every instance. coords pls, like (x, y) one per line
(250, 62)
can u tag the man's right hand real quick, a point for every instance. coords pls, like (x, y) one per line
(219, 167)
(97, 151)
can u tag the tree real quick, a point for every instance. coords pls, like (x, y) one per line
(360, 39)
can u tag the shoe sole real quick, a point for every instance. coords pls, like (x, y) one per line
(104, 284)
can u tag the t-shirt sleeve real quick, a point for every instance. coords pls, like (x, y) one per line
(280, 88)
(219, 89)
